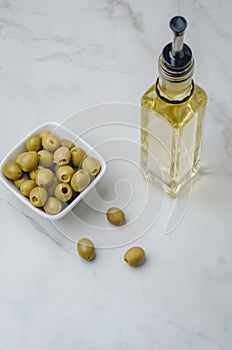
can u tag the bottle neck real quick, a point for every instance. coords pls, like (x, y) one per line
(175, 86)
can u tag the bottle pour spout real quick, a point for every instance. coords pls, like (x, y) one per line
(178, 25)
(176, 55)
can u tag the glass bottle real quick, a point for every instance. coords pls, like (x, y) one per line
(173, 112)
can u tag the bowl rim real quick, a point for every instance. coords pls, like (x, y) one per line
(16, 192)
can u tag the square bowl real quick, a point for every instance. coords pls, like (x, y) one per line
(61, 132)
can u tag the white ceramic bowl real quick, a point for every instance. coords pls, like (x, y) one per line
(61, 132)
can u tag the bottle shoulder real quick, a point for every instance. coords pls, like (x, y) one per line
(200, 95)
(175, 114)
(148, 94)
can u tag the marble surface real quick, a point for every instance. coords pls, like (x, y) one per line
(85, 64)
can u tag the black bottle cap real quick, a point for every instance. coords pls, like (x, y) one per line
(178, 25)
(177, 55)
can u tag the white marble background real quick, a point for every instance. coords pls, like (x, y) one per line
(57, 57)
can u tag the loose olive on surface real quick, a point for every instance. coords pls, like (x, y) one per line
(44, 177)
(63, 192)
(62, 155)
(50, 142)
(67, 143)
(19, 181)
(86, 249)
(38, 196)
(34, 172)
(80, 180)
(45, 158)
(53, 206)
(77, 155)
(65, 173)
(27, 186)
(28, 160)
(134, 256)
(12, 171)
(91, 165)
(115, 216)
(34, 143)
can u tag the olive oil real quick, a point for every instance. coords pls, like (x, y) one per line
(172, 119)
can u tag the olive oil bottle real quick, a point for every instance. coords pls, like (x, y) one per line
(173, 112)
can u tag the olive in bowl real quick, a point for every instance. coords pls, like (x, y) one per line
(25, 165)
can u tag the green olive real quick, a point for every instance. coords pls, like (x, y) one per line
(34, 143)
(62, 156)
(75, 195)
(77, 155)
(44, 177)
(38, 196)
(27, 186)
(134, 256)
(19, 181)
(45, 158)
(50, 142)
(34, 172)
(80, 180)
(53, 206)
(28, 160)
(91, 165)
(67, 143)
(65, 173)
(63, 192)
(12, 171)
(44, 133)
(86, 249)
(51, 188)
(115, 216)
(55, 167)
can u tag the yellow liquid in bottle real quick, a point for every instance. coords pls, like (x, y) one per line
(171, 136)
